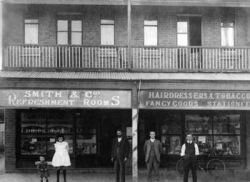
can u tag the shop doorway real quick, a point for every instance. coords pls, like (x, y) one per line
(95, 131)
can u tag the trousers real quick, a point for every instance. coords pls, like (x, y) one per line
(153, 164)
(119, 165)
(190, 163)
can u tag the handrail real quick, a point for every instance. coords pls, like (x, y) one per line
(158, 59)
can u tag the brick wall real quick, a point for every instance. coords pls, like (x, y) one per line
(166, 17)
(10, 139)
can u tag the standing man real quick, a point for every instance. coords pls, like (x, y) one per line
(153, 150)
(119, 155)
(189, 151)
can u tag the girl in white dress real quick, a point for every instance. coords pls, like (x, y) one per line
(61, 158)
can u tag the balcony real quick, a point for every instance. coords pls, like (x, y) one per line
(115, 58)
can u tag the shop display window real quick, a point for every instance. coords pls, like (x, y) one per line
(40, 129)
(60, 122)
(198, 124)
(224, 124)
(227, 145)
(33, 130)
(86, 137)
(220, 132)
(171, 134)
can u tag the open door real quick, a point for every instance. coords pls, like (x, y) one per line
(189, 34)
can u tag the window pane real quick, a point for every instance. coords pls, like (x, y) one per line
(171, 124)
(76, 38)
(182, 40)
(150, 36)
(32, 126)
(150, 22)
(182, 27)
(171, 144)
(199, 124)
(107, 22)
(205, 143)
(31, 33)
(227, 145)
(60, 122)
(107, 34)
(31, 21)
(76, 25)
(227, 36)
(62, 38)
(224, 124)
(62, 25)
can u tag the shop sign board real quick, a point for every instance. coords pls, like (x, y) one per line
(65, 98)
(194, 99)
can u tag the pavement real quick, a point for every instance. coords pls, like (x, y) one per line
(165, 175)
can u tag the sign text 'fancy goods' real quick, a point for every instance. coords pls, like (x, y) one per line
(194, 99)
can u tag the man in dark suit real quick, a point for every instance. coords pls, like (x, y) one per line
(153, 150)
(119, 155)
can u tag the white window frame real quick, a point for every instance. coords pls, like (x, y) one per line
(227, 41)
(183, 33)
(150, 40)
(27, 24)
(105, 24)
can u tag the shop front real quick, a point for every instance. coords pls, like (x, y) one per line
(87, 118)
(216, 118)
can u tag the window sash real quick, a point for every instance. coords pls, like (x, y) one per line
(31, 31)
(150, 36)
(107, 34)
(227, 36)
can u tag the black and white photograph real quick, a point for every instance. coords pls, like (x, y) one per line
(124, 90)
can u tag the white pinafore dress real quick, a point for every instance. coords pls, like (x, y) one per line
(61, 156)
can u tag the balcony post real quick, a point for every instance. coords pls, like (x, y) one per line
(129, 52)
(1, 36)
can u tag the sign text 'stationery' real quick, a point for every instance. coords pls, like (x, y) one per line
(194, 99)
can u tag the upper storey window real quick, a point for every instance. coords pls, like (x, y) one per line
(227, 27)
(150, 32)
(31, 31)
(107, 32)
(182, 33)
(69, 32)
(227, 33)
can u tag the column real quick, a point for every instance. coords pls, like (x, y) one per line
(1, 35)
(135, 144)
(10, 139)
(129, 51)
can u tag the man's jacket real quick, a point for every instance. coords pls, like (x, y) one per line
(157, 148)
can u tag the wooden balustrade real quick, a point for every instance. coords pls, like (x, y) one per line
(191, 59)
(157, 59)
(66, 57)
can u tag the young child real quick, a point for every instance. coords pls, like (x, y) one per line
(42, 167)
(61, 159)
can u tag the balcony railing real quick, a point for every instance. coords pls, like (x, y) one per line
(192, 59)
(65, 57)
(157, 59)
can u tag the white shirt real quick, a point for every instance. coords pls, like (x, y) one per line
(152, 140)
(183, 149)
(119, 139)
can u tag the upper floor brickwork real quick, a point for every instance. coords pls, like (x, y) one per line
(47, 15)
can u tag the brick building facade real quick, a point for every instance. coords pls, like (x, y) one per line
(172, 88)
